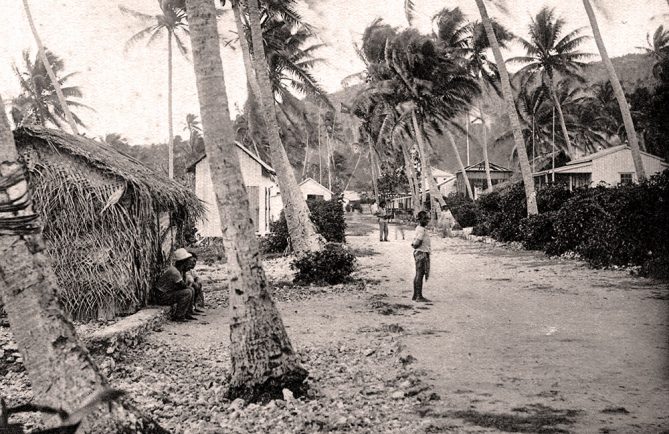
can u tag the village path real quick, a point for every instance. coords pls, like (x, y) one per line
(508, 333)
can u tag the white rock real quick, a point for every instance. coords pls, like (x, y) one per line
(397, 395)
(287, 395)
(405, 384)
(237, 404)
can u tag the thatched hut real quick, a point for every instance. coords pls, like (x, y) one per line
(106, 218)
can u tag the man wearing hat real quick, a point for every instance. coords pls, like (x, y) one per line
(173, 288)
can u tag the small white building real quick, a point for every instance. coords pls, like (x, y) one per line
(611, 166)
(259, 180)
(312, 189)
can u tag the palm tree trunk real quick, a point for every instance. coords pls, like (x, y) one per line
(530, 194)
(303, 235)
(411, 176)
(465, 178)
(425, 162)
(320, 158)
(484, 147)
(306, 157)
(563, 125)
(262, 358)
(170, 142)
(62, 373)
(49, 71)
(372, 166)
(353, 173)
(620, 94)
(246, 53)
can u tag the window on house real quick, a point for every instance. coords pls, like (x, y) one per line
(626, 178)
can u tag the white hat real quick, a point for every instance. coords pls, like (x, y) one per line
(181, 254)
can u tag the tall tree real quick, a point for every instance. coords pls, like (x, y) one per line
(45, 60)
(658, 47)
(173, 21)
(263, 360)
(62, 373)
(303, 235)
(528, 180)
(549, 55)
(618, 90)
(39, 102)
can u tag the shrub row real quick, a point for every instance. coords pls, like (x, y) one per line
(622, 225)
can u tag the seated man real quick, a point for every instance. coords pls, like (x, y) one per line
(172, 287)
(193, 280)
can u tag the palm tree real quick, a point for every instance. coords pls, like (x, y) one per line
(39, 102)
(618, 90)
(194, 130)
(302, 232)
(526, 171)
(62, 373)
(52, 76)
(549, 55)
(528, 180)
(262, 358)
(173, 21)
(115, 140)
(658, 47)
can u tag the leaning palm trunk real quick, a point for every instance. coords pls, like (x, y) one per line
(424, 172)
(563, 125)
(484, 147)
(462, 166)
(372, 166)
(170, 143)
(525, 169)
(62, 373)
(618, 91)
(54, 80)
(410, 171)
(246, 53)
(303, 235)
(431, 183)
(262, 359)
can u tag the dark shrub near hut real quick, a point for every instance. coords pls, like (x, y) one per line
(106, 220)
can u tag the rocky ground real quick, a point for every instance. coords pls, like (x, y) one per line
(513, 342)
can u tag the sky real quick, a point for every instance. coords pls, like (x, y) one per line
(128, 88)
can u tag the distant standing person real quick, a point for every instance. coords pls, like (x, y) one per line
(421, 254)
(382, 214)
(173, 288)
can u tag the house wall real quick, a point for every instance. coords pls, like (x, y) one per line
(258, 184)
(609, 167)
(312, 187)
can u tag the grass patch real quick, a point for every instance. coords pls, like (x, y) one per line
(535, 418)
(356, 228)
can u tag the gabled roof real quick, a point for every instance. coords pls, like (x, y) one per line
(191, 167)
(447, 180)
(438, 173)
(313, 180)
(480, 167)
(608, 151)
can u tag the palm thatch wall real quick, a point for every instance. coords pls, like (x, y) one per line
(104, 216)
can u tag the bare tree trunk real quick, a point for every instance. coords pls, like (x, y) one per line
(425, 162)
(618, 91)
(170, 142)
(462, 166)
(49, 70)
(424, 172)
(303, 235)
(262, 358)
(563, 125)
(484, 147)
(526, 171)
(62, 373)
(306, 158)
(246, 53)
(372, 166)
(411, 176)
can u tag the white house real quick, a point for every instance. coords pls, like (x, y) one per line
(311, 189)
(259, 181)
(611, 166)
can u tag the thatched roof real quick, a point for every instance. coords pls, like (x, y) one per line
(166, 193)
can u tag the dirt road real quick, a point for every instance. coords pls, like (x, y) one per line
(512, 342)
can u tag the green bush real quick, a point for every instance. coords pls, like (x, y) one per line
(327, 216)
(465, 211)
(331, 265)
(537, 230)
